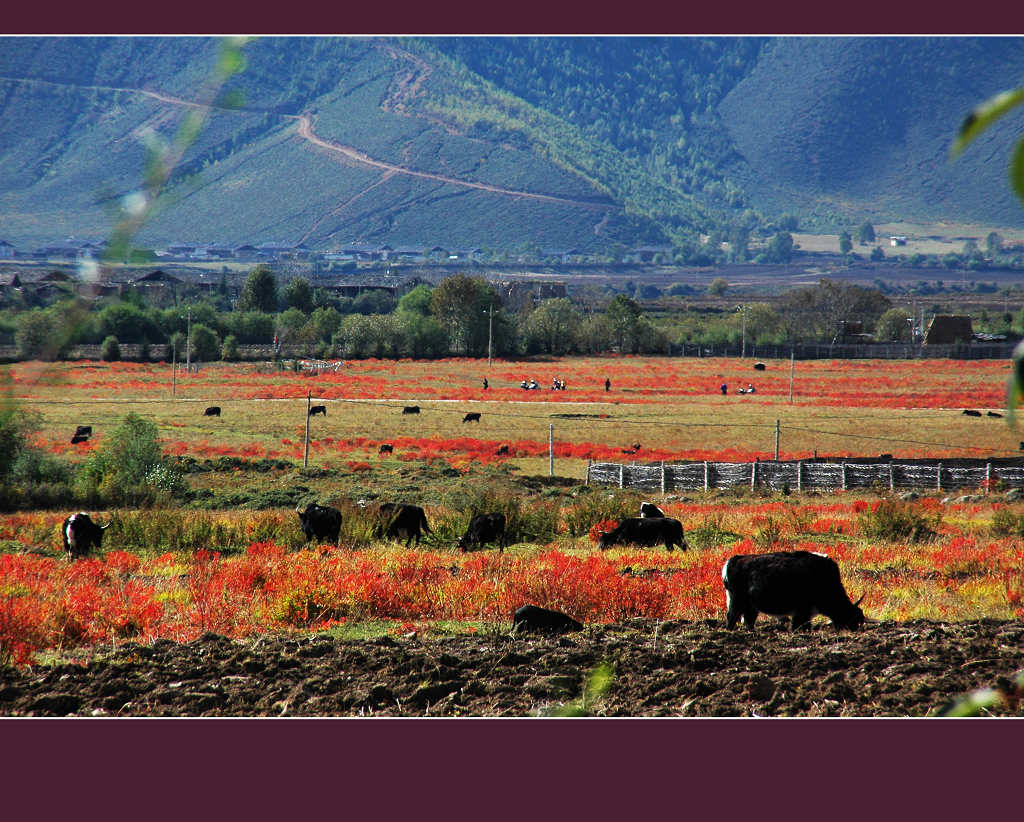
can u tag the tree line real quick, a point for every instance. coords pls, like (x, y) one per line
(461, 316)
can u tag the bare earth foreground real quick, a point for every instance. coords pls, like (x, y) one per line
(887, 669)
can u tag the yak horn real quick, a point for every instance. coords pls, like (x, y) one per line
(859, 601)
(105, 526)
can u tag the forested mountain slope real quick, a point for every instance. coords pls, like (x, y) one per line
(501, 143)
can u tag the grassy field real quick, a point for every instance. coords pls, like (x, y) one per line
(672, 407)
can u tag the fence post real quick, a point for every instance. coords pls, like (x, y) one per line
(588, 470)
(551, 450)
(753, 474)
(776, 440)
(891, 482)
(988, 477)
(705, 475)
(663, 476)
(622, 474)
(305, 452)
(844, 476)
(938, 477)
(799, 475)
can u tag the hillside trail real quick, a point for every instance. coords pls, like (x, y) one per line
(350, 153)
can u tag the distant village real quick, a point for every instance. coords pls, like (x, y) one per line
(274, 252)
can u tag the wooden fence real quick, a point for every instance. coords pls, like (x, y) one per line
(806, 475)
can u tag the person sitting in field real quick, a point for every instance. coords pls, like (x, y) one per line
(725, 388)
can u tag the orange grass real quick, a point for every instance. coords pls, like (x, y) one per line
(48, 602)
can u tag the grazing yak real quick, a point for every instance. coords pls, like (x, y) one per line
(472, 416)
(77, 438)
(649, 510)
(970, 412)
(318, 409)
(411, 409)
(80, 534)
(502, 451)
(648, 531)
(534, 619)
(484, 528)
(386, 448)
(399, 519)
(212, 411)
(799, 584)
(320, 522)
(83, 431)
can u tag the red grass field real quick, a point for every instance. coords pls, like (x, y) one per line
(137, 589)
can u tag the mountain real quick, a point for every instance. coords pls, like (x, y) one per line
(501, 143)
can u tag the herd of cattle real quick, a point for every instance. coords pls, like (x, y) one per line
(795, 584)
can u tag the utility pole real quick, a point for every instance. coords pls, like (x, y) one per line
(490, 335)
(791, 360)
(188, 342)
(174, 370)
(776, 440)
(743, 353)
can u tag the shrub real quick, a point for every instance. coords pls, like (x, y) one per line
(229, 348)
(1005, 523)
(118, 470)
(895, 520)
(110, 350)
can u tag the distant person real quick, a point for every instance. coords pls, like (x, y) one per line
(607, 384)
(485, 383)
(725, 388)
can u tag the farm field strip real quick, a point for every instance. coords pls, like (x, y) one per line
(246, 579)
(672, 407)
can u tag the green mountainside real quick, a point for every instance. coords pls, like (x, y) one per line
(501, 143)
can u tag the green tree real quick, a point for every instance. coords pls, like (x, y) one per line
(877, 254)
(299, 295)
(845, 243)
(110, 350)
(35, 335)
(623, 316)
(229, 349)
(324, 323)
(423, 337)
(866, 233)
(416, 301)
(780, 247)
(553, 325)
(461, 305)
(718, 286)
(892, 326)
(205, 343)
(259, 292)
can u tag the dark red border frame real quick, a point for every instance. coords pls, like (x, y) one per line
(839, 769)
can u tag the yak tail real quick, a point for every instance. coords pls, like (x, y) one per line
(426, 527)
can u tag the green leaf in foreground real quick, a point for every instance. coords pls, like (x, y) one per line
(599, 680)
(983, 116)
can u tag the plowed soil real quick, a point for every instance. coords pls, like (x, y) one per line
(659, 669)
